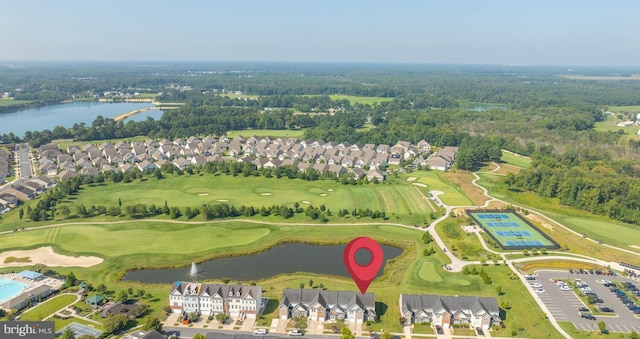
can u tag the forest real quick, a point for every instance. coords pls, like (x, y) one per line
(532, 111)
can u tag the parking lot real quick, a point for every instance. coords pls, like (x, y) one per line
(564, 305)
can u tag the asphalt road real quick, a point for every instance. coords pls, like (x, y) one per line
(564, 304)
(185, 333)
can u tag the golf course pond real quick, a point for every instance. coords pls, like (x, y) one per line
(281, 259)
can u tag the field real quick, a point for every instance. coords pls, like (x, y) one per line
(510, 230)
(52, 305)
(266, 133)
(515, 160)
(610, 124)
(360, 100)
(12, 102)
(432, 179)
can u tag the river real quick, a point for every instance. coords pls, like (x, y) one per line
(282, 259)
(50, 116)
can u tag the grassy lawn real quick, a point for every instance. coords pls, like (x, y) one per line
(48, 307)
(12, 102)
(452, 195)
(465, 246)
(194, 190)
(266, 133)
(516, 160)
(571, 329)
(360, 100)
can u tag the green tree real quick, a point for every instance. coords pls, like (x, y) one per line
(310, 282)
(499, 289)
(153, 323)
(102, 288)
(122, 296)
(345, 333)
(386, 335)
(67, 334)
(301, 285)
(222, 318)
(466, 271)
(634, 335)
(115, 323)
(21, 213)
(193, 316)
(199, 336)
(602, 326)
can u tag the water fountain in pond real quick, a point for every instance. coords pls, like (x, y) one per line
(194, 270)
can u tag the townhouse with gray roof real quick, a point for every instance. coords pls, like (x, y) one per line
(447, 311)
(327, 306)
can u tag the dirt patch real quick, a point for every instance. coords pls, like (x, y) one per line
(203, 194)
(505, 169)
(46, 256)
(265, 194)
(539, 221)
(463, 179)
(412, 178)
(419, 184)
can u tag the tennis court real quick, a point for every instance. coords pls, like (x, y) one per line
(510, 231)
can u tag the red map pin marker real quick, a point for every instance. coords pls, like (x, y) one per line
(363, 275)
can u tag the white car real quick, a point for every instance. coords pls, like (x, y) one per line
(295, 333)
(565, 288)
(260, 331)
(536, 285)
(539, 290)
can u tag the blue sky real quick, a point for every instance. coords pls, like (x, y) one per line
(541, 32)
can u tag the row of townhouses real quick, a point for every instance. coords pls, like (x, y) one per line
(5, 161)
(329, 158)
(243, 301)
(23, 189)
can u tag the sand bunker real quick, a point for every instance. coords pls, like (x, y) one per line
(419, 184)
(412, 178)
(323, 194)
(222, 200)
(635, 246)
(203, 194)
(46, 256)
(305, 202)
(330, 190)
(265, 194)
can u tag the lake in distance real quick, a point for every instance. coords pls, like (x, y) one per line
(282, 259)
(50, 116)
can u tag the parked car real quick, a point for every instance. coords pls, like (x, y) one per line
(587, 316)
(584, 309)
(479, 331)
(260, 331)
(439, 329)
(296, 333)
(605, 309)
(540, 290)
(536, 285)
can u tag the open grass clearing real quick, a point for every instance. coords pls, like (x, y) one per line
(515, 159)
(195, 190)
(12, 102)
(360, 100)
(463, 181)
(555, 264)
(48, 307)
(247, 133)
(452, 196)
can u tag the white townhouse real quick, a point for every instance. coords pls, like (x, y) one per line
(237, 301)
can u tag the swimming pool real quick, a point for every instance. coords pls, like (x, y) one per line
(10, 288)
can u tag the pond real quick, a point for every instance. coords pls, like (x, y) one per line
(282, 259)
(50, 116)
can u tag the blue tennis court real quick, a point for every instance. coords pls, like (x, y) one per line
(502, 224)
(493, 216)
(510, 230)
(513, 233)
(10, 288)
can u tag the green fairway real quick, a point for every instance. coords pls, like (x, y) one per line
(48, 307)
(195, 190)
(515, 160)
(360, 100)
(266, 133)
(12, 102)
(609, 232)
(452, 196)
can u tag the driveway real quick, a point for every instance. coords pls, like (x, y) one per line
(564, 304)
